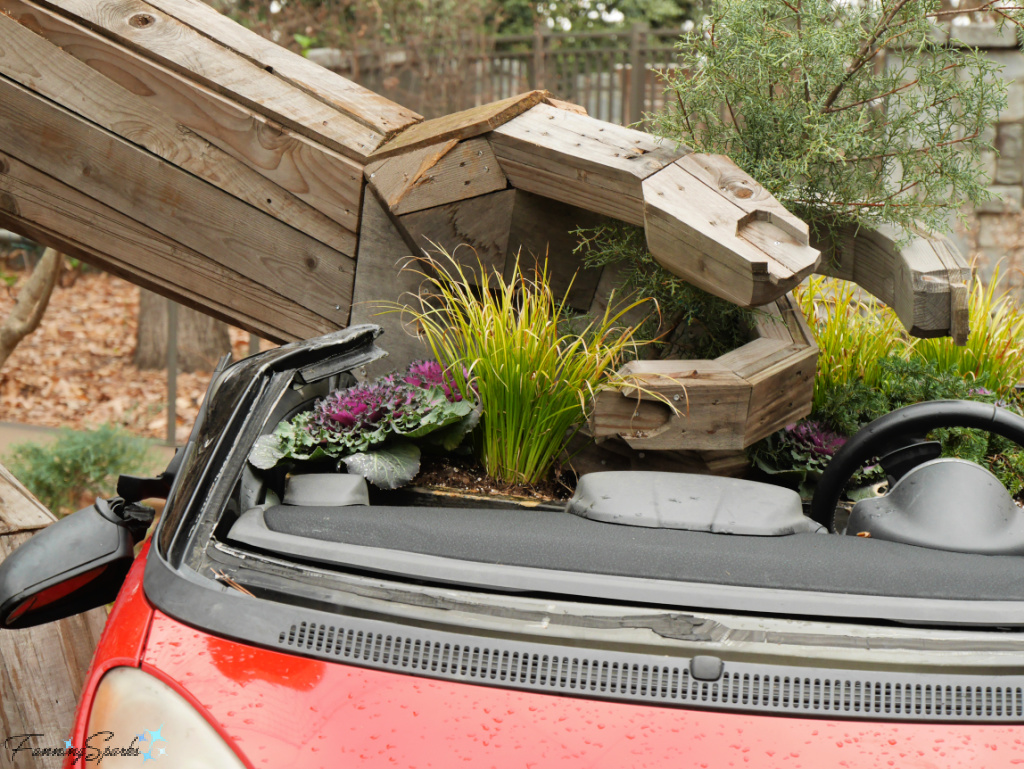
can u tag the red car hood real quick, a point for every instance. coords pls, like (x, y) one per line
(281, 710)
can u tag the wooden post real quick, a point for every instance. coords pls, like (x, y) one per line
(637, 73)
(172, 372)
(42, 668)
(537, 73)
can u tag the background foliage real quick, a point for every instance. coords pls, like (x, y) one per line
(79, 466)
(803, 96)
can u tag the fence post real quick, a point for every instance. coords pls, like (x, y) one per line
(172, 372)
(537, 74)
(637, 72)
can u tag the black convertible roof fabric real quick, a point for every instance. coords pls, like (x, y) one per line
(565, 542)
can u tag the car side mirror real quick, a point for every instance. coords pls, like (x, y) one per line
(73, 565)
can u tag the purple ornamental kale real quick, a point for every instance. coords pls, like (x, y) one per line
(428, 373)
(815, 438)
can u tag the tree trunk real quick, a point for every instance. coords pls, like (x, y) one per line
(32, 301)
(202, 340)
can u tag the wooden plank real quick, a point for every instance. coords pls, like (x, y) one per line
(319, 177)
(49, 212)
(393, 177)
(581, 161)
(574, 145)
(19, 510)
(566, 105)
(459, 125)
(542, 231)
(702, 236)
(781, 393)
(164, 39)
(754, 355)
(920, 276)
(475, 232)
(369, 108)
(712, 402)
(719, 173)
(42, 669)
(960, 278)
(175, 203)
(436, 175)
(42, 67)
(580, 193)
(380, 279)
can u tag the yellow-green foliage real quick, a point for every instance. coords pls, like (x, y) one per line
(533, 377)
(992, 356)
(853, 336)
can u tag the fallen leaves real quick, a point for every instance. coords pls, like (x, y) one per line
(76, 370)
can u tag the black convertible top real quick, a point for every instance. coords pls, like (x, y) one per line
(491, 547)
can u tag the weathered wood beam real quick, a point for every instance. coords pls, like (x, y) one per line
(750, 253)
(50, 212)
(199, 57)
(581, 161)
(459, 125)
(363, 105)
(922, 276)
(724, 404)
(41, 66)
(300, 181)
(437, 175)
(177, 204)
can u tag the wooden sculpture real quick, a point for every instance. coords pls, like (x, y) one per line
(167, 144)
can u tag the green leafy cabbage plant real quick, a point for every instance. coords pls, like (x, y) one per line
(376, 429)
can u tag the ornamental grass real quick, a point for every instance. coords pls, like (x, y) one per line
(994, 354)
(511, 342)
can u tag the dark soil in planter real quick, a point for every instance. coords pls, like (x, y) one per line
(462, 482)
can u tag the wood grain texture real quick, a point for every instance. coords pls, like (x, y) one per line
(712, 403)
(380, 281)
(42, 67)
(174, 203)
(167, 41)
(294, 166)
(369, 108)
(442, 173)
(697, 232)
(474, 232)
(19, 510)
(459, 125)
(726, 404)
(47, 211)
(921, 276)
(542, 231)
(580, 160)
(566, 105)
(42, 669)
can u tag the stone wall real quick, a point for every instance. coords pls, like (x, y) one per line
(994, 234)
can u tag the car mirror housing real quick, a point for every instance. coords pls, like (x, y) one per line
(75, 564)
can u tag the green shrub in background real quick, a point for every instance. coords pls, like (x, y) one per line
(79, 466)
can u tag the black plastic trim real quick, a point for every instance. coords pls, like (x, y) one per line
(582, 672)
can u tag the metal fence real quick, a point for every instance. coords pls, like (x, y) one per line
(616, 76)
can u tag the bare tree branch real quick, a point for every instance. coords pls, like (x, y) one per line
(31, 304)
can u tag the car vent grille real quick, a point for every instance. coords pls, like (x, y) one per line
(742, 687)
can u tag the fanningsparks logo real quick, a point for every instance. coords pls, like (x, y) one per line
(147, 745)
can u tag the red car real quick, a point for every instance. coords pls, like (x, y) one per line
(660, 620)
